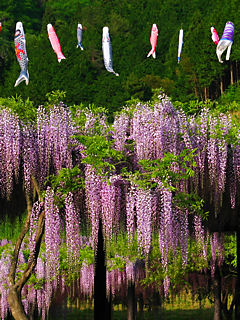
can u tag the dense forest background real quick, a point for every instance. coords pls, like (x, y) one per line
(82, 75)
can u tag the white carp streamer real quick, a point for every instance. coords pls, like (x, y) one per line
(107, 51)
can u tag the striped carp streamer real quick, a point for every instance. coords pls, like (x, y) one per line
(180, 44)
(107, 51)
(55, 42)
(226, 41)
(21, 53)
(153, 41)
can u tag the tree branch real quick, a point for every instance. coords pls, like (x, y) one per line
(12, 272)
(34, 255)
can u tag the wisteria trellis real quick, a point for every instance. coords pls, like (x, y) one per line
(49, 146)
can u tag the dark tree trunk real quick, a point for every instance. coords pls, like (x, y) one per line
(227, 310)
(217, 295)
(109, 307)
(100, 300)
(131, 302)
(237, 288)
(156, 304)
(236, 66)
(141, 306)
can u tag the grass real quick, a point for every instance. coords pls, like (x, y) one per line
(10, 230)
(177, 314)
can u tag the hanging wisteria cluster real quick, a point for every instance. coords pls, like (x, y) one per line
(145, 133)
(42, 149)
(10, 145)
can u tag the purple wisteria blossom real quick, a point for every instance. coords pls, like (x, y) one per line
(10, 144)
(130, 212)
(144, 219)
(121, 131)
(87, 280)
(108, 208)
(72, 229)
(166, 227)
(93, 186)
(5, 261)
(52, 236)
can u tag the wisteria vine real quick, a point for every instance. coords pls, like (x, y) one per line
(146, 132)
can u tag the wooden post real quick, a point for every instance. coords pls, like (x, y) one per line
(100, 299)
(217, 295)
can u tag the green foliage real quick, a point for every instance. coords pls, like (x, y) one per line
(67, 180)
(80, 114)
(191, 202)
(163, 169)
(230, 246)
(137, 88)
(100, 153)
(156, 274)
(120, 251)
(55, 97)
(23, 108)
(6, 249)
(229, 101)
(195, 106)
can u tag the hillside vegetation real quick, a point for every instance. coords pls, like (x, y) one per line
(82, 75)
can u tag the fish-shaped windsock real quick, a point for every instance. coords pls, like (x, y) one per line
(226, 41)
(0, 26)
(180, 43)
(21, 53)
(55, 42)
(215, 37)
(107, 51)
(153, 41)
(79, 36)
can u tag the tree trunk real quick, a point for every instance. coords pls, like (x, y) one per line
(15, 304)
(131, 301)
(221, 86)
(237, 287)
(236, 73)
(205, 93)
(227, 310)
(217, 295)
(141, 306)
(231, 74)
(109, 307)
(156, 304)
